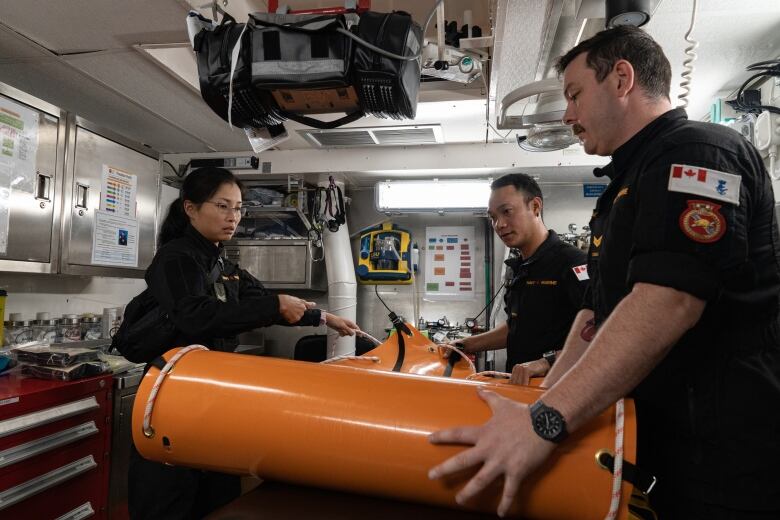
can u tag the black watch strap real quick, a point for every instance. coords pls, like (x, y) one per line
(550, 356)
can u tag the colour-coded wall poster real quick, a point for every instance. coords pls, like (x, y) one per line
(115, 240)
(450, 263)
(118, 192)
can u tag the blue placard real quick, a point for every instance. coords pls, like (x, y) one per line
(593, 190)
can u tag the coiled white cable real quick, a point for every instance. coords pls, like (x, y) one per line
(687, 74)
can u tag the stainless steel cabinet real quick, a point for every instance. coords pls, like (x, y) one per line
(279, 264)
(33, 206)
(51, 180)
(90, 151)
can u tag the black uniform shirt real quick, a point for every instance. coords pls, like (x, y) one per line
(690, 206)
(178, 277)
(542, 299)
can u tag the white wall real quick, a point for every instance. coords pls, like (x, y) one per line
(61, 294)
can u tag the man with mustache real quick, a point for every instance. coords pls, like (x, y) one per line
(685, 286)
(546, 287)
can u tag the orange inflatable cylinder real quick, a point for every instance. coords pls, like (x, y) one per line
(420, 356)
(357, 430)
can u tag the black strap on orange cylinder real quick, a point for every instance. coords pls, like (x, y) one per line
(641, 480)
(400, 330)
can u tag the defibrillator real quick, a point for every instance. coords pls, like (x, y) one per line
(385, 256)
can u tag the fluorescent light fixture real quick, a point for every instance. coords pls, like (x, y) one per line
(436, 195)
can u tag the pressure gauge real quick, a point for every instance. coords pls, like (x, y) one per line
(441, 322)
(470, 323)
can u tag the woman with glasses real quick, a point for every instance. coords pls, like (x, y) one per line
(210, 300)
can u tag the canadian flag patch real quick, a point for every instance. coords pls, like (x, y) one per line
(581, 272)
(684, 178)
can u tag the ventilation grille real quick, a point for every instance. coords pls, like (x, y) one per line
(375, 136)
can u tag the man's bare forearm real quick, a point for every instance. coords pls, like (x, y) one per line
(491, 340)
(636, 337)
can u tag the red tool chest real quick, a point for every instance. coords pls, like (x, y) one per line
(55, 439)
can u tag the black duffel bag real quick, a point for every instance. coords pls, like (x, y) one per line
(251, 107)
(311, 53)
(388, 87)
(299, 51)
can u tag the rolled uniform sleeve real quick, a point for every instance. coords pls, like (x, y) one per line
(587, 299)
(688, 241)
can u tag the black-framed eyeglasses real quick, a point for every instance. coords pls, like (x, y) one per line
(225, 209)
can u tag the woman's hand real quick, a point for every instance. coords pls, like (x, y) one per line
(292, 308)
(341, 325)
(461, 343)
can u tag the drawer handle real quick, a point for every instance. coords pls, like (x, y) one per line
(46, 481)
(36, 447)
(55, 413)
(81, 512)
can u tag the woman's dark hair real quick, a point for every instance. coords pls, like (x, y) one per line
(632, 44)
(199, 186)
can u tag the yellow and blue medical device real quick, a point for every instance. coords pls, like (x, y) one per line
(385, 256)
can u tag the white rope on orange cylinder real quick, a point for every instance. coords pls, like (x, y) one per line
(460, 353)
(375, 359)
(490, 373)
(368, 336)
(617, 471)
(147, 427)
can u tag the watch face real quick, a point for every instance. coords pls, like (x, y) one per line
(548, 424)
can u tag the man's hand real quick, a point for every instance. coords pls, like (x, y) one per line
(341, 325)
(523, 372)
(505, 446)
(292, 308)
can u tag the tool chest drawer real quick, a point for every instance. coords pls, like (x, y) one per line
(55, 440)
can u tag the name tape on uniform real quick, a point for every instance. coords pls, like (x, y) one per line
(684, 178)
(581, 271)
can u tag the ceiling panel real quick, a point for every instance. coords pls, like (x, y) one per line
(90, 25)
(142, 80)
(86, 98)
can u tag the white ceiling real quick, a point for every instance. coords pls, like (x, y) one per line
(81, 55)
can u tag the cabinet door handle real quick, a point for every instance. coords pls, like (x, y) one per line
(55, 413)
(46, 481)
(82, 195)
(83, 511)
(42, 186)
(35, 447)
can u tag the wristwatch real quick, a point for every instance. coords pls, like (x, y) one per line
(549, 356)
(548, 422)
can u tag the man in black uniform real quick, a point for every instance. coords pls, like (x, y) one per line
(547, 285)
(685, 268)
